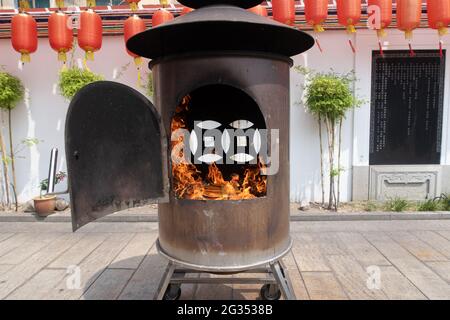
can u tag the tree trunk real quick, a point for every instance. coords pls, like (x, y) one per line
(339, 164)
(5, 168)
(330, 129)
(322, 177)
(333, 176)
(13, 167)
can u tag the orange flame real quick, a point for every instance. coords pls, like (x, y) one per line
(189, 184)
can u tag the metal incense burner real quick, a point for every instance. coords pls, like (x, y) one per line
(218, 67)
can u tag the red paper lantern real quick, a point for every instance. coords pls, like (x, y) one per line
(161, 16)
(439, 15)
(284, 11)
(133, 25)
(259, 10)
(133, 4)
(186, 10)
(439, 18)
(59, 34)
(24, 35)
(90, 33)
(316, 12)
(409, 13)
(349, 14)
(385, 7)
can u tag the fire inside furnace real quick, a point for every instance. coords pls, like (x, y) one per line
(212, 181)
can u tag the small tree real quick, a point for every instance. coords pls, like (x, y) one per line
(11, 93)
(72, 79)
(328, 96)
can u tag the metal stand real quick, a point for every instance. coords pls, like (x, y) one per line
(276, 282)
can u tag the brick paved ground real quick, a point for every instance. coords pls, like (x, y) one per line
(329, 261)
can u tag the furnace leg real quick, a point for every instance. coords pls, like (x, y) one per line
(282, 278)
(165, 281)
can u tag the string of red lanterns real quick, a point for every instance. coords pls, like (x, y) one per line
(409, 13)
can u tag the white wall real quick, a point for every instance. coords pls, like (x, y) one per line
(42, 115)
(305, 151)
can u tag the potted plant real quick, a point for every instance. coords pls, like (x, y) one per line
(45, 205)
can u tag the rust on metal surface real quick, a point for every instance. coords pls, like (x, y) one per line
(114, 152)
(228, 233)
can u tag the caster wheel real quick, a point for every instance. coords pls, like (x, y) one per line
(269, 293)
(173, 292)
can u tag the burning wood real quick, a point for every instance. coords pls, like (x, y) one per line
(188, 182)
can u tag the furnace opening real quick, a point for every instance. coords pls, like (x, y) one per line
(218, 133)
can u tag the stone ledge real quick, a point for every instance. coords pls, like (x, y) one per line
(151, 216)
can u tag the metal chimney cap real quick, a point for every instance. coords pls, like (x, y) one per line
(220, 28)
(195, 4)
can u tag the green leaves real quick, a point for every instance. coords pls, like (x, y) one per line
(72, 79)
(29, 142)
(11, 91)
(329, 94)
(396, 204)
(59, 177)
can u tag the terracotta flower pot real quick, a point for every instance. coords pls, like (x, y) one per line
(44, 206)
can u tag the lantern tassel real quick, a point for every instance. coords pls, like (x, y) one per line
(134, 6)
(138, 63)
(380, 45)
(318, 28)
(60, 4)
(91, 3)
(442, 31)
(89, 55)
(411, 51)
(441, 49)
(381, 33)
(62, 56)
(351, 45)
(85, 64)
(408, 34)
(25, 57)
(318, 44)
(351, 29)
(24, 5)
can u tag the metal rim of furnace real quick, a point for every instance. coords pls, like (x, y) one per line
(223, 269)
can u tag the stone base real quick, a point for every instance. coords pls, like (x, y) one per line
(417, 182)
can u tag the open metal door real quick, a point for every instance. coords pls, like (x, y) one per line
(116, 152)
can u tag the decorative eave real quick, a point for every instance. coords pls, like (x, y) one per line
(113, 18)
